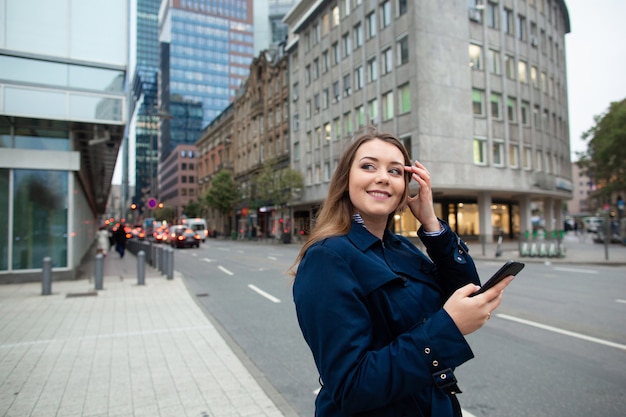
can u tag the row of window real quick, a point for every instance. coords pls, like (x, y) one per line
(524, 73)
(331, 19)
(506, 19)
(363, 114)
(547, 162)
(541, 120)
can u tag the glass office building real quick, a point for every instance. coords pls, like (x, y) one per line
(206, 48)
(62, 117)
(145, 39)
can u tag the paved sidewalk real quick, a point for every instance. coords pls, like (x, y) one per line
(579, 249)
(126, 350)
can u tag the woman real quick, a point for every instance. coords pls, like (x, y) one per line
(385, 323)
(103, 240)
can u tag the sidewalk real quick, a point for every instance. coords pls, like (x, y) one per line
(126, 350)
(579, 249)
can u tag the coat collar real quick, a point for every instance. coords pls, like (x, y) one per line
(363, 239)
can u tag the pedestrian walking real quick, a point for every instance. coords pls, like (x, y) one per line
(386, 324)
(120, 239)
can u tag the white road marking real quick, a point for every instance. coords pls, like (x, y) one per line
(620, 301)
(208, 260)
(224, 270)
(263, 293)
(563, 332)
(576, 270)
(272, 258)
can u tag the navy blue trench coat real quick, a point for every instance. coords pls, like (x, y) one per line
(371, 312)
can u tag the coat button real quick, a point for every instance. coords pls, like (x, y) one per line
(443, 376)
(427, 351)
(435, 363)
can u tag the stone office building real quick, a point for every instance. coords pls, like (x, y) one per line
(477, 92)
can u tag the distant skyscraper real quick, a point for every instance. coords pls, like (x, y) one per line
(145, 48)
(206, 47)
(269, 28)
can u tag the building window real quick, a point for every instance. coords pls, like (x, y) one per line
(335, 51)
(496, 105)
(521, 27)
(347, 88)
(533, 76)
(385, 14)
(403, 50)
(325, 98)
(494, 62)
(513, 156)
(296, 122)
(347, 123)
(325, 61)
(360, 116)
(480, 151)
(337, 123)
(523, 72)
(524, 110)
(478, 102)
(492, 15)
(507, 21)
(358, 78)
(371, 25)
(402, 6)
(372, 107)
(498, 153)
(296, 151)
(347, 45)
(404, 93)
(509, 66)
(511, 109)
(388, 106)
(335, 14)
(358, 36)
(528, 157)
(336, 91)
(475, 54)
(372, 71)
(387, 61)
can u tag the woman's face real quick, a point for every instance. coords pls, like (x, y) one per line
(376, 182)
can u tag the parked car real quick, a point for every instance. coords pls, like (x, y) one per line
(160, 234)
(183, 237)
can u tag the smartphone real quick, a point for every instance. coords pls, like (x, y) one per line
(509, 268)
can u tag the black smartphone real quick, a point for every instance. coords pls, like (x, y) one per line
(509, 268)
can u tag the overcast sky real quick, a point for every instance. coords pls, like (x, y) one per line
(596, 62)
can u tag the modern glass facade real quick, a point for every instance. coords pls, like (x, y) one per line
(62, 113)
(146, 39)
(206, 50)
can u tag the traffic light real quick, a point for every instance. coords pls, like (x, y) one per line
(133, 206)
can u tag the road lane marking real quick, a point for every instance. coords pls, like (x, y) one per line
(208, 260)
(620, 301)
(576, 270)
(563, 332)
(224, 270)
(272, 258)
(263, 293)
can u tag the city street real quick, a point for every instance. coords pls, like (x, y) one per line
(557, 345)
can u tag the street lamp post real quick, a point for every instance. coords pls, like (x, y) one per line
(156, 115)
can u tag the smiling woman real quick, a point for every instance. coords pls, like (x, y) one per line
(399, 318)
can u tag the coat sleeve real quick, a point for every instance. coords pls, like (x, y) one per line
(337, 325)
(455, 267)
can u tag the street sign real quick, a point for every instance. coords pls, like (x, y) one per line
(152, 203)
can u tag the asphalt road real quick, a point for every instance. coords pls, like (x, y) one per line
(556, 347)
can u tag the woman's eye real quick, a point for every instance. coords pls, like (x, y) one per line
(396, 171)
(368, 167)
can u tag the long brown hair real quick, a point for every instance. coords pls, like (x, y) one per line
(335, 215)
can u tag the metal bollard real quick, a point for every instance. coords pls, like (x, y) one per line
(141, 268)
(46, 276)
(170, 264)
(98, 270)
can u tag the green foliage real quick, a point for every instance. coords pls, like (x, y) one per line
(224, 193)
(276, 186)
(166, 213)
(605, 158)
(193, 209)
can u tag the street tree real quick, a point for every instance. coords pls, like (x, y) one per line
(223, 195)
(277, 186)
(605, 158)
(193, 209)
